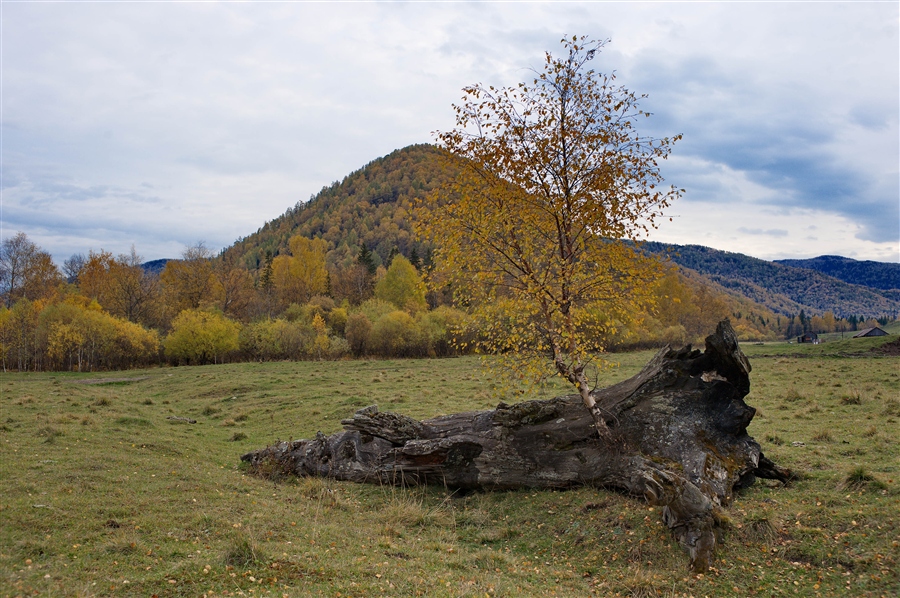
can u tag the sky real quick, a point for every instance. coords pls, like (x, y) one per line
(159, 125)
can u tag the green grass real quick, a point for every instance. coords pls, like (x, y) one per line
(101, 494)
(833, 347)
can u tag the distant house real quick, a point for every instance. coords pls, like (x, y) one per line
(809, 337)
(876, 331)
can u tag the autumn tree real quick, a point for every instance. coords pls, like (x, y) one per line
(358, 332)
(266, 286)
(302, 274)
(17, 335)
(353, 283)
(555, 179)
(189, 283)
(72, 267)
(121, 285)
(365, 259)
(78, 334)
(402, 286)
(233, 284)
(134, 291)
(26, 271)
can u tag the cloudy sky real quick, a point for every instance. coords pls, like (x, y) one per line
(164, 124)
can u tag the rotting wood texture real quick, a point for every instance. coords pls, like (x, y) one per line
(679, 440)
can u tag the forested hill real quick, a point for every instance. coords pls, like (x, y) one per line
(878, 275)
(780, 287)
(370, 206)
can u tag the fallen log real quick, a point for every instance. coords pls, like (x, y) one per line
(679, 440)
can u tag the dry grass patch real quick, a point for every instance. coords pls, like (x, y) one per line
(242, 552)
(823, 435)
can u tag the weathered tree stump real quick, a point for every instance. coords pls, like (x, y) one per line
(679, 440)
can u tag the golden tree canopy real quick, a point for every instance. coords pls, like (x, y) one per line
(301, 275)
(402, 286)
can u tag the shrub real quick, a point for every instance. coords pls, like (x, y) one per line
(17, 335)
(337, 320)
(397, 335)
(793, 395)
(201, 336)
(295, 339)
(79, 335)
(445, 331)
(338, 347)
(295, 312)
(277, 339)
(358, 332)
(258, 340)
(823, 436)
(373, 309)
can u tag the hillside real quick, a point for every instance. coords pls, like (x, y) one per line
(877, 275)
(373, 207)
(782, 288)
(370, 206)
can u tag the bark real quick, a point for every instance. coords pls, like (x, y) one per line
(678, 439)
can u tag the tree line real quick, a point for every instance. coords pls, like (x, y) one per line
(106, 312)
(800, 324)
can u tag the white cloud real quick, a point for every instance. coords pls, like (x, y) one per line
(774, 234)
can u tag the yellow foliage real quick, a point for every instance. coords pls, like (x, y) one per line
(402, 286)
(201, 336)
(301, 275)
(76, 334)
(533, 233)
(190, 283)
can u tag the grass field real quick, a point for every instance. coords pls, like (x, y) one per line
(102, 494)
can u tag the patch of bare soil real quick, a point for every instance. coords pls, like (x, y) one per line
(892, 348)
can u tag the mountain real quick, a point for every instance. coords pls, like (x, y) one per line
(782, 288)
(371, 206)
(155, 266)
(878, 275)
(374, 206)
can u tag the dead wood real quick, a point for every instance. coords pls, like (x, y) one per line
(679, 440)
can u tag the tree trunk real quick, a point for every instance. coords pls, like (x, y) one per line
(679, 440)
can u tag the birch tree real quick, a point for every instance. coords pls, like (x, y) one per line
(535, 234)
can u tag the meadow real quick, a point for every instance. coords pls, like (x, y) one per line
(102, 493)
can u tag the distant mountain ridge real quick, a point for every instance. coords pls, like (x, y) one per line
(877, 275)
(783, 288)
(155, 266)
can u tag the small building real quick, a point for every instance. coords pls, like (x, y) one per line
(809, 337)
(876, 331)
